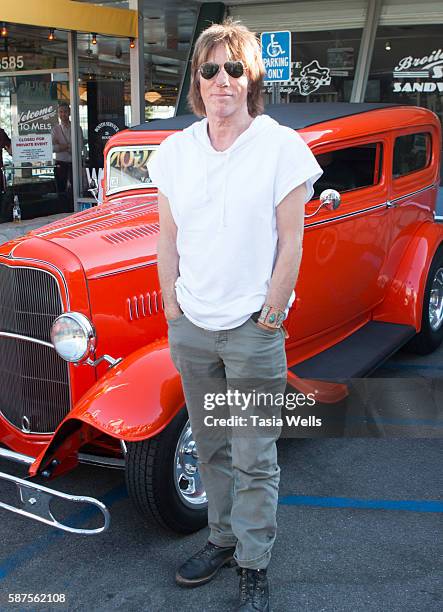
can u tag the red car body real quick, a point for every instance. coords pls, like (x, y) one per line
(366, 261)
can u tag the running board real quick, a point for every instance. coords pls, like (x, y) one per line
(35, 503)
(358, 355)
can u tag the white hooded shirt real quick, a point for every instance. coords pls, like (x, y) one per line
(224, 205)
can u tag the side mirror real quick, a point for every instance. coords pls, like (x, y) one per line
(330, 198)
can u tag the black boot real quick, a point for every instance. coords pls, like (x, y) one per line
(254, 590)
(203, 566)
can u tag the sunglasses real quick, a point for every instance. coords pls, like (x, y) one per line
(208, 70)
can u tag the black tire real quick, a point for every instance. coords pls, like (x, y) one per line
(428, 339)
(150, 480)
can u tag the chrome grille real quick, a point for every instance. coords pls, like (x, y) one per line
(34, 383)
(29, 302)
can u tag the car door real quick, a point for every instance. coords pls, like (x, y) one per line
(344, 250)
(414, 184)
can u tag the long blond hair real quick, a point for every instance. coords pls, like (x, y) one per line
(241, 44)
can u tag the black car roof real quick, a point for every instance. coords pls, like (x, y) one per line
(296, 115)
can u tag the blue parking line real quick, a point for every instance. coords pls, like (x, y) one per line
(436, 423)
(26, 553)
(374, 420)
(411, 505)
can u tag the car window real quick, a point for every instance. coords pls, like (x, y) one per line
(128, 168)
(412, 152)
(350, 168)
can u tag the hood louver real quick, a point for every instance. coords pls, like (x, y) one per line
(132, 233)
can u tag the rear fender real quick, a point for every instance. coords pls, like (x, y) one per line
(133, 401)
(404, 299)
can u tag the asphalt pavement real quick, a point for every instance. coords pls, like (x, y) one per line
(359, 529)
(346, 539)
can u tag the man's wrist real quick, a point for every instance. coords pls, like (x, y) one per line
(271, 316)
(172, 312)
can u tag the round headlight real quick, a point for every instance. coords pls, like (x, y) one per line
(73, 336)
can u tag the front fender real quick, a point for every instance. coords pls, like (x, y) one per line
(133, 401)
(404, 299)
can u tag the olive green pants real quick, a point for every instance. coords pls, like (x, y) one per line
(238, 465)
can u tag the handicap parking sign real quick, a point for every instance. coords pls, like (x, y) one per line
(276, 54)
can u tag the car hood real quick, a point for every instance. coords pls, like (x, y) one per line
(109, 238)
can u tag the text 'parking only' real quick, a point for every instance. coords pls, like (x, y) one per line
(276, 53)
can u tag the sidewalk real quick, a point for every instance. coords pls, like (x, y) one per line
(8, 231)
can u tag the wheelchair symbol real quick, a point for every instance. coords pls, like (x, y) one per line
(274, 48)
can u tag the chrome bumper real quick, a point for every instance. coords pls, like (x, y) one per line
(35, 499)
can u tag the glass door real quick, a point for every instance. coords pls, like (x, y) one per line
(35, 114)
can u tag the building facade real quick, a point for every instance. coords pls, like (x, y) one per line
(117, 63)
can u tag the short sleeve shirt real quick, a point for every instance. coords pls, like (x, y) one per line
(224, 205)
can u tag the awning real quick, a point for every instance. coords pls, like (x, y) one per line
(70, 15)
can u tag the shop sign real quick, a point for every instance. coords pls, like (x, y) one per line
(105, 130)
(37, 119)
(36, 115)
(276, 54)
(11, 62)
(106, 116)
(36, 110)
(32, 148)
(312, 77)
(423, 68)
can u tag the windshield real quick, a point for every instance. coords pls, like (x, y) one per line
(128, 168)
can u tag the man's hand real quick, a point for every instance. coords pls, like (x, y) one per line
(173, 313)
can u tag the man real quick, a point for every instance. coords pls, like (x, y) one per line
(232, 190)
(61, 144)
(5, 143)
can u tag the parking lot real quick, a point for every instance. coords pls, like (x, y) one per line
(359, 529)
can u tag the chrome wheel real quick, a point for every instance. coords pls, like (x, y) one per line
(436, 301)
(187, 478)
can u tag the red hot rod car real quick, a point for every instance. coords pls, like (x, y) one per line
(85, 370)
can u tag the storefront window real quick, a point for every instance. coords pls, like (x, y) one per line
(33, 83)
(105, 100)
(167, 34)
(162, 81)
(323, 67)
(407, 67)
(28, 48)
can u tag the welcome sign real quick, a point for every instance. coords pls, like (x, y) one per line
(36, 117)
(40, 120)
(36, 105)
